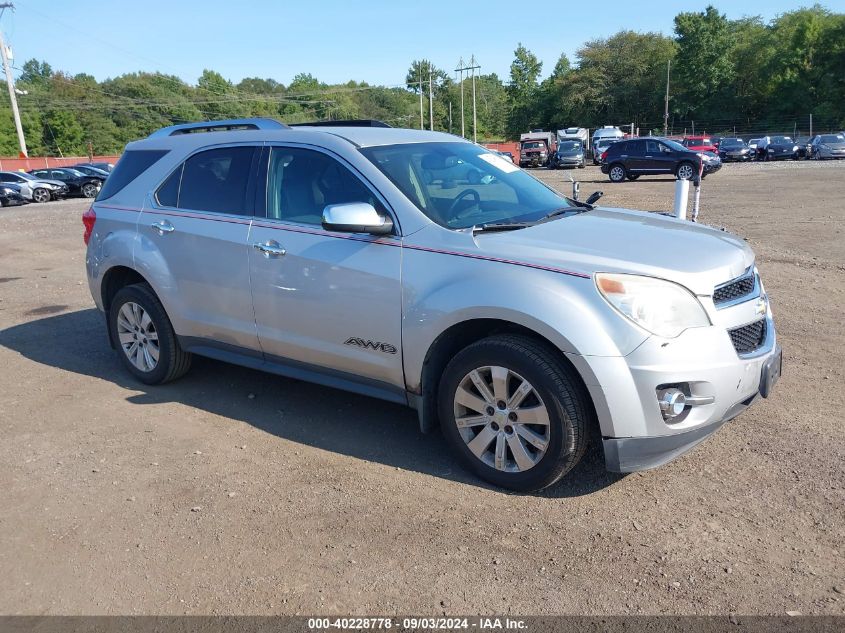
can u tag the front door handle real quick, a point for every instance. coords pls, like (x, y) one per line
(270, 249)
(163, 227)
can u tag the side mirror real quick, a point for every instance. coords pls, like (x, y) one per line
(356, 217)
(594, 197)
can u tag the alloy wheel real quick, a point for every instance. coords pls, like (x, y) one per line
(617, 174)
(89, 190)
(41, 195)
(685, 172)
(138, 336)
(502, 419)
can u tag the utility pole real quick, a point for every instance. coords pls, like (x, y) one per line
(430, 101)
(450, 117)
(811, 126)
(11, 84)
(666, 107)
(419, 76)
(474, 121)
(473, 66)
(461, 69)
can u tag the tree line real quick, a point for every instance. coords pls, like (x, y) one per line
(745, 74)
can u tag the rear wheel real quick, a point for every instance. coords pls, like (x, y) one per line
(514, 412)
(616, 173)
(89, 190)
(41, 195)
(144, 337)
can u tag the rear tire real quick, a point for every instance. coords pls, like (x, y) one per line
(528, 442)
(144, 337)
(89, 190)
(617, 173)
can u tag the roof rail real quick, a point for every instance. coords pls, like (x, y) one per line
(220, 126)
(343, 123)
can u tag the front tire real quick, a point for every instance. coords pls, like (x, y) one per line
(40, 195)
(514, 412)
(686, 171)
(616, 173)
(144, 338)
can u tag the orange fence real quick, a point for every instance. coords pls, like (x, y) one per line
(25, 164)
(511, 147)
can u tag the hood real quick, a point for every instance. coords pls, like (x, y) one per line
(619, 240)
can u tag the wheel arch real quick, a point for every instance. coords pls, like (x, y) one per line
(114, 279)
(462, 334)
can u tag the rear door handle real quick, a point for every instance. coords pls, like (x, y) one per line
(163, 227)
(270, 248)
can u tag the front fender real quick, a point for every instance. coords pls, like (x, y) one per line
(441, 291)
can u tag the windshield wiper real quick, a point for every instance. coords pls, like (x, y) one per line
(500, 226)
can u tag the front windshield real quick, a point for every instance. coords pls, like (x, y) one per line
(781, 139)
(459, 185)
(731, 142)
(569, 146)
(674, 145)
(532, 145)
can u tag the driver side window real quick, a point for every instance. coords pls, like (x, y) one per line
(302, 182)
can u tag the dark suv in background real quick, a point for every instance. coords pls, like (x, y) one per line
(655, 156)
(78, 183)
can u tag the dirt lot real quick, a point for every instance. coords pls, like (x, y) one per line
(231, 491)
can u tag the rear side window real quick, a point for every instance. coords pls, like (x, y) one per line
(131, 165)
(215, 180)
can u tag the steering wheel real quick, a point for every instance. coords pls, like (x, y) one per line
(461, 196)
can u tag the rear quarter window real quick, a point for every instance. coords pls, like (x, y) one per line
(131, 165)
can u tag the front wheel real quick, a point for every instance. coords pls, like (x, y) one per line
(41, 195)
(145, 339)
(616, 173)
(685, 171)
(513, 412)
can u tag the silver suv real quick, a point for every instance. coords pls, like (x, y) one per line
(423, 269)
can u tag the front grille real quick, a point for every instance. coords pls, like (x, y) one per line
(734, 290)
(749, 337)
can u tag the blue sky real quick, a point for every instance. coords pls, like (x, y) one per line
(373, 41)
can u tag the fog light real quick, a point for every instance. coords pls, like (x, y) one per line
(672, 403)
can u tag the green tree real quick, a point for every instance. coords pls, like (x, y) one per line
(523, 91)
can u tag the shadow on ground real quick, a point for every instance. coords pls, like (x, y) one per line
(329, 419)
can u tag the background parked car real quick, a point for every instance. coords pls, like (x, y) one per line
(699, 144)
(599, 146)
(735, 149)
(778, 148)
(824, 146)
(10, 195)
(94, 172)
(107, 167)
(754, 146)
(633, 158)
(35, 189)
(569, 154)
(78, 183)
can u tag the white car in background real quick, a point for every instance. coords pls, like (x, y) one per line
(34, 189)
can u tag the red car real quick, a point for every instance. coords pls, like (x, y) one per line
(700, 144)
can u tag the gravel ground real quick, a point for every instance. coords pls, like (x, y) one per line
(232, 491)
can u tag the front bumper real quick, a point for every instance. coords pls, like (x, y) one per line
(712, 167)
(718, 381)
(736, 156)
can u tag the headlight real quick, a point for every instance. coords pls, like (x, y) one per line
(7, 191)
(795, 148)
(656, 305)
